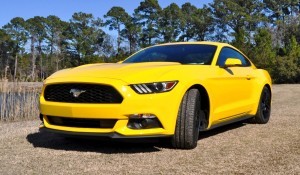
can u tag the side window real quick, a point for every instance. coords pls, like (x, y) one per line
(227, 52)
(154, 56)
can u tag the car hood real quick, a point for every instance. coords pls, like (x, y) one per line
(128, 72)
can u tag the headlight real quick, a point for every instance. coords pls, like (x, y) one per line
(157, 87)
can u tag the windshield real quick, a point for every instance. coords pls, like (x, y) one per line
(182, 53)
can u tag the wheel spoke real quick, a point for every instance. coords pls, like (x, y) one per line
(264, 109)
(265, 104)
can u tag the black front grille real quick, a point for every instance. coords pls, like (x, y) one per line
(82, 123)
(82, 93)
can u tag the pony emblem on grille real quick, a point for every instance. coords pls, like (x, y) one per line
(76, 92)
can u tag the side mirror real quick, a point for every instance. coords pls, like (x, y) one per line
(120, 61)
(233, 62)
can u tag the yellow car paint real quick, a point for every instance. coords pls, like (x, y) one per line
(233, 92)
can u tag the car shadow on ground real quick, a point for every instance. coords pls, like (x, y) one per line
(90, 144)
(109, 146)
(222, 129)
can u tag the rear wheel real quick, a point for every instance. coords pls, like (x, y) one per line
(190, 119)
(264, 107)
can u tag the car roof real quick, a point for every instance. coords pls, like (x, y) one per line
(197, 42)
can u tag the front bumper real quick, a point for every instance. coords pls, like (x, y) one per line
(163, 105)
(112, 135)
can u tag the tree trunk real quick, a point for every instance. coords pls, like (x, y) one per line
(32, 58)
(130, 43)
(16, 67)
(149, 41)
(119, 39)
(57, 64)
(41, 59)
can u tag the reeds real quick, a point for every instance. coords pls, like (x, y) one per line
(19, 100)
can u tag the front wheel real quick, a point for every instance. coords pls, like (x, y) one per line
(264, 107)
(188, 121)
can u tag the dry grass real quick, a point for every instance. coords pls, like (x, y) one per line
(19, 101)
(240, 148)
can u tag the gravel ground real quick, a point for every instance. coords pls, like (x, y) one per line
(240, 148)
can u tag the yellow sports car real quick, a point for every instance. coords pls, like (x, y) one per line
(170, 90)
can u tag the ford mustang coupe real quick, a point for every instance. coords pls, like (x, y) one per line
(170, 90)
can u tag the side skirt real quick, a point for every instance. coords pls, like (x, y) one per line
(230, 121)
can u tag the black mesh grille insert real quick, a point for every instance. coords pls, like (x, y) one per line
(82, 93)
(82, 123)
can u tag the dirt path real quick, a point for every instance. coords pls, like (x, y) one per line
(235, 149)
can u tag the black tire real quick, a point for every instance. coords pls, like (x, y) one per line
(264, 107)
(188, 121)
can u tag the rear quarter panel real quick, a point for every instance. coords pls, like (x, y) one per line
(262, 79)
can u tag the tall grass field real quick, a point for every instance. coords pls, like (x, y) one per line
(19, 100)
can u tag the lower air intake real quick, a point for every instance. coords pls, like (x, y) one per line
(82, 123)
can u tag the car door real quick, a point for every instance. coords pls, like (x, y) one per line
(233, 86)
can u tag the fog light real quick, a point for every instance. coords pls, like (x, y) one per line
(143, 121)
(140, 116)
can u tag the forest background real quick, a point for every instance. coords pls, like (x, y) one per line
(267, 31)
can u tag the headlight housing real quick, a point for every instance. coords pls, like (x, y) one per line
(156, 87)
